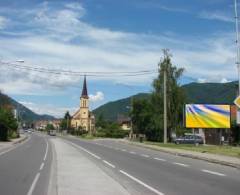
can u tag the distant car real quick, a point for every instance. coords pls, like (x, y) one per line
(52, 132)
(189, 139)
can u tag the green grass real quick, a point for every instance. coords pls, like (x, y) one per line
(87, 136)
(222, 150)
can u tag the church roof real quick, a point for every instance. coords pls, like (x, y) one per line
(84, 90)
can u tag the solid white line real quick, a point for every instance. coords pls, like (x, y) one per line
(142, 183)
(33, 184)
(41, 167)
(108, 163)
(181, 164)
(45, 156)
(213, 172)
(132, 152)
(94, 155)
(144, 155)
(160, 159)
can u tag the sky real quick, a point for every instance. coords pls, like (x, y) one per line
(109, 36)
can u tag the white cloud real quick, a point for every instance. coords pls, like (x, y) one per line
(49, 109)
(99, 96)
(217, 15)
(61, 39)
(3, 22)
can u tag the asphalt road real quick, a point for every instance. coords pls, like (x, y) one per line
(25, 170)
(145, 171)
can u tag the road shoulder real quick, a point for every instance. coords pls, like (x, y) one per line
(76, 174)
(213, 158)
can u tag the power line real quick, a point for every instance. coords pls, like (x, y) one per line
(78, 73)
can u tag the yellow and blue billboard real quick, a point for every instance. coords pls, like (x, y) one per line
(207, 116)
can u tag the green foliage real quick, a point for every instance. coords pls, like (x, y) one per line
(66, 122)
(111, 110)
(8, 123)
(111, 130)
(147, 115)
(49, 127)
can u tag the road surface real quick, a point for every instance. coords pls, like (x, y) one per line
(144, 171)
(25, 170)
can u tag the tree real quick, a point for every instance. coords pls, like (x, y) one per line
(100, 122)
(8, 123)
(66, 122)
(175, 95)
(147, 115)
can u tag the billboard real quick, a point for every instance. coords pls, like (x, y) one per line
(207, 116)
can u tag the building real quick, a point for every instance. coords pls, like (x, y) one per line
(124, 122)
(42, 124)
(83, 119)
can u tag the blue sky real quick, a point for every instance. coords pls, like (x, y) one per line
(110, 35)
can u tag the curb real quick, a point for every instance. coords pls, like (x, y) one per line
(20, 140)
(235, 165)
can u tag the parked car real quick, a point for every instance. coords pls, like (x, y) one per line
(189, 139)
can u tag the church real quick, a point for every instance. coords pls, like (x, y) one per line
(83, 119)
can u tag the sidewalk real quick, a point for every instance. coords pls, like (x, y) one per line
(76, 174)
(214, 158)
(7, 145)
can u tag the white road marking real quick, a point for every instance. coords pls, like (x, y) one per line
(94, 155)
(132, 152)
(160, 159)
(30, 191)
(123, 150)
(108, 163)
(181, 164)
(41, 167)
(213, 172)
(144, 155)
(45, 156)
(141, 183)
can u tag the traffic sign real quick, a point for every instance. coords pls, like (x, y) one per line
(237, 101)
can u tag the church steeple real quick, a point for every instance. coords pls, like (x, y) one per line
(84, 90)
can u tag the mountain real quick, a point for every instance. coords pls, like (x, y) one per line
(198, 93)
(111, 110)
(24, 113)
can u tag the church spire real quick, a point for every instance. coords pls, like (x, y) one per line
(84, 90)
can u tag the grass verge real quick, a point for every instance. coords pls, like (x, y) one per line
(221, 150)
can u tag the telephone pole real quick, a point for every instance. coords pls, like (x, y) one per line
(237, 43)
(165, 104)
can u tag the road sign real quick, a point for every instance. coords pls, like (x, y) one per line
(237, 101)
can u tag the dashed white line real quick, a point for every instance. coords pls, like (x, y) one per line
(123, 150)
(94, 155)
(213, 172)
(144, 155)
(181, 164)
(132, 152)
(109, 164)
(45, 156)
(41, 167)
(30, 192)
(160, 159)
(141, 183)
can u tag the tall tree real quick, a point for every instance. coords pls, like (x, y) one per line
(175, 94)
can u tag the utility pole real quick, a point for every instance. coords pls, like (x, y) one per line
(165, 104)
(237, 43)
